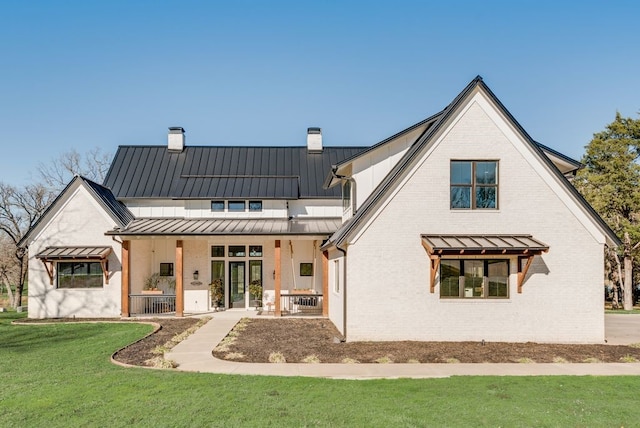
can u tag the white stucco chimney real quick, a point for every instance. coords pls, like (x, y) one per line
(176, 139)
(314, 139)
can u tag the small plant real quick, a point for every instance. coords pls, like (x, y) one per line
(628, 359)
(452, 361)
(217, 292)
(413, 361)
(151, 282)
(234, 356)
(591, 360)
(349, 361)
(277, 357)
(634, 345)
(560, 360)
(525, 360)
(255, 289)
(311, 359)
(384, 360)
(161, 363)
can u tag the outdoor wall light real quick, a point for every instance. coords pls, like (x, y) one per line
(195, 275)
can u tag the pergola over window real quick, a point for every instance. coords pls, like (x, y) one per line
(51, 255)
(524, 246)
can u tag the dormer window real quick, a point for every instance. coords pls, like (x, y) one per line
(236, 206)
(474, 184)
(217, 206)
(255, 206)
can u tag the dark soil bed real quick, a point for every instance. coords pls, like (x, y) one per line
(298, 339)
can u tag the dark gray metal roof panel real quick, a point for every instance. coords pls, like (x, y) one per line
(115, 208)
(223, 172)
(64, 253)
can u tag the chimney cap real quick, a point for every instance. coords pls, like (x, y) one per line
(314, 130)
(175, 129)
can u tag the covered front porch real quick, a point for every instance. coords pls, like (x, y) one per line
(182, 273)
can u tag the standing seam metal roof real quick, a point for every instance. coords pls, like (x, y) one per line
(206, 172)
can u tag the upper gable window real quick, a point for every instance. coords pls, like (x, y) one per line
(346, 195)
(217, 206)
(474, 184)
(236, 206)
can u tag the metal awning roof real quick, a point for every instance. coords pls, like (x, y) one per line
(74, 253)
(204, 227)
(482, 244)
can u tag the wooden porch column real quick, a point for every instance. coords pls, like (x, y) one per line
(278, 279)
(325, 283)
(124, 304)
(179, 281)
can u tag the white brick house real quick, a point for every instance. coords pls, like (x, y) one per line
(460, 227)
(435, 249)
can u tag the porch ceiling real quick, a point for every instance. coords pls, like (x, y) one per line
(482, 244)
(204, 227)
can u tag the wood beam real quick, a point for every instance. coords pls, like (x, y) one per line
(435, 265)
(104, 263)
(522, 271)
(325, 283)
(126, 277)
(179, 279)
(278, 277)
(49, 267)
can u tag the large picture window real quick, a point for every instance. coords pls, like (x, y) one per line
(79, 275)
(474, 184)
(474, 279)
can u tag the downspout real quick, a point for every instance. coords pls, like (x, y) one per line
(344, 294)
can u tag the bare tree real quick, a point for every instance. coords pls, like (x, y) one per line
(93, 165)
(20, 208)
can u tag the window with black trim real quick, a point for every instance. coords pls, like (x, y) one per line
(217, 251)
(79, 274)
(166, 269)
(236, 206)
(474, 278)
(306, 269)
(237, 251)
(474, 184)
(255, 206)
(217, 206)
(255, 250)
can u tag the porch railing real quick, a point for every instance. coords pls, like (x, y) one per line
(301, 304)
(143, 304)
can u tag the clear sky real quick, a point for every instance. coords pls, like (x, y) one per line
(85, 74)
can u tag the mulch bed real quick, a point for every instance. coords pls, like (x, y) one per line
(297, 339)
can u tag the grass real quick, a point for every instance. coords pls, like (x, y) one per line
(60, 376)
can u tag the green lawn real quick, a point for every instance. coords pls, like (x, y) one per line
(60, 375)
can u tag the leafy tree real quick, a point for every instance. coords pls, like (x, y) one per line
(20, 208)
(610, 181)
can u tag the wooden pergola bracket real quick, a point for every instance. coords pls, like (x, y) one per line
(522, 271)
(435, 265)
(48, 265)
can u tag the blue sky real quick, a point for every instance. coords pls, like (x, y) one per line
(85, 74)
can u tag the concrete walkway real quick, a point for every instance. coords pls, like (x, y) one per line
(194, 355)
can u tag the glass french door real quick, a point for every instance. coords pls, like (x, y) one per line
(237, 285)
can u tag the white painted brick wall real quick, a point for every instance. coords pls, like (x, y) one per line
(81, 222)
(388, 278)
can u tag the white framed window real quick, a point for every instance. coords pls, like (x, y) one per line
(336, 276)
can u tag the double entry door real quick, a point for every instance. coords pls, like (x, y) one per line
(237, 291)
